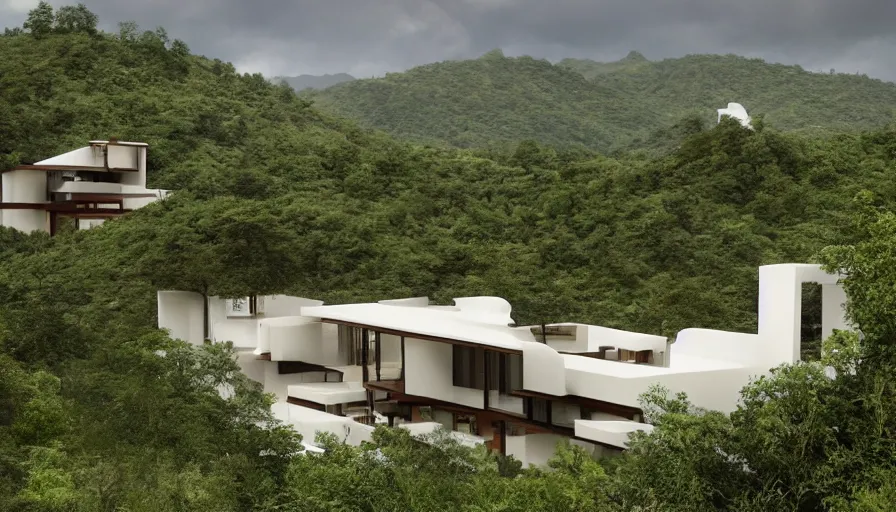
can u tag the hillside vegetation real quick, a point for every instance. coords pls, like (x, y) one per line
(101, 411)
(787, 97)
(621, 105)
(493, 99)
(303, 82)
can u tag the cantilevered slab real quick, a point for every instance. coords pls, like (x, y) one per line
(613, 433)
(328, 393)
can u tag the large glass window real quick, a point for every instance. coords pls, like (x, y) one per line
(468, 367)
(350, 344)
(505, 377)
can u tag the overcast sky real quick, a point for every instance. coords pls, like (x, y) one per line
(370, 37)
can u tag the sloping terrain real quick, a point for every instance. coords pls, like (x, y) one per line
(621, 105)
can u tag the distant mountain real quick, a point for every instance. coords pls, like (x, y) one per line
(303, 82)
(604, 106)
(788, 97)
(590, 69)
(492, 99)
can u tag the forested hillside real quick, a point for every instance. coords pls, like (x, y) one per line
(788, 97)
(494, 99)
(100, 411)
(303, 82)
(622, 105)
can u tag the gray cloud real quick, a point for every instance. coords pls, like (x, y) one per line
(366, 37)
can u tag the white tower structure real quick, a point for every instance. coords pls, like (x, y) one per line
(737, 111)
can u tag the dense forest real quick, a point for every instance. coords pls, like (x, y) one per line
(613, 106)
(101, 411)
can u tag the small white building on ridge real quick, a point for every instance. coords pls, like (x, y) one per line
(737, 111)
(517, 389)
(102, 180)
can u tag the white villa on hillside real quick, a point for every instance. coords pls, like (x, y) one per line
(467, 368)
(102, 180)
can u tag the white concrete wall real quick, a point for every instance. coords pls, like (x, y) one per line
(284, 305)
(833, 312)
(217, 312)
(278, 384)
(615, 433)
(253, 367)
(135, 203)
(308, 422)
(125, 157)
(299, 341)
(242, 332)
(713, 389)
(489, 310)
(780, 304)
(391, 348)
(26, 220)
(428, 373)
(734, 347)
(279, 329)
(533, 449)
(25, 187)
(82, 157)
(543, 369)
(182, 314)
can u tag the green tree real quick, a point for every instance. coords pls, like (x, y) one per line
(75, 19)
(40, 20)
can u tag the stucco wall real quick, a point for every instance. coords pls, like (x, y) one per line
(182, 314)
(533, 449)
(25, 187)
(428, 373)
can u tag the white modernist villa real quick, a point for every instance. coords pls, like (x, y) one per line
(467, 368)
(102, 180)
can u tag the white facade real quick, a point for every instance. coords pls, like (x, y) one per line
(518, 389)
(102, 180)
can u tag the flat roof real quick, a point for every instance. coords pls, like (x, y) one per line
(427, 321)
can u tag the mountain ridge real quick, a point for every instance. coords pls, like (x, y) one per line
(617, 106)
(302, 82)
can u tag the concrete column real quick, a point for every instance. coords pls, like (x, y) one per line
(833, 310)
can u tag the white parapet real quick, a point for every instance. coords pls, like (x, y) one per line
(328, 393)
(182, 313)
(613, 433)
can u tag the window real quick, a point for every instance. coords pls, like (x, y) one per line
(245, 306)
(539, 410)
(511, 373)
(505, 372)
(350, 344)
(465, 423)
(468, 367)
(564, 414)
